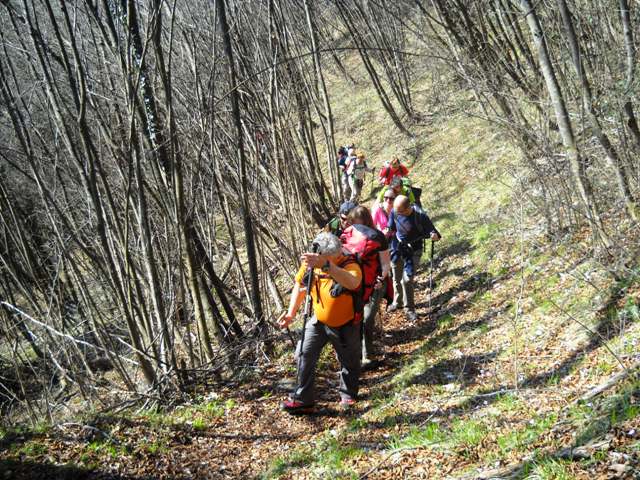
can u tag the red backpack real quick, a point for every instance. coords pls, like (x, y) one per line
(386, 173)
(365, 243)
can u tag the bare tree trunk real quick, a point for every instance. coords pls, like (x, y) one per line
(244, 196)
(564, 123)
(329, 131)
(630, 57)
(587, 100)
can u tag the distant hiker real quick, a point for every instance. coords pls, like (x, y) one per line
(356, 168)
(341, 221)
(335, 283)
(410, 226)
(400, 186)
(381, 211)
(344, 176)
(372, 250)
(392, 169)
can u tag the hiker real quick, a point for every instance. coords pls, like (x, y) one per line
(344, 176)
(410, 226)
(335, 278)
(356, 168)
(392, 169)
(381, 211)
(372, 249)
(400, 186)
(341, 221)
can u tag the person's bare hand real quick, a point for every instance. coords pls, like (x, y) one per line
(285, 320)
(313, 260)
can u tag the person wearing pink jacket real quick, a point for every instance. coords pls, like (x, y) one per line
(380, 212)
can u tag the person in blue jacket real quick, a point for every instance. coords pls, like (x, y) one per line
(409, 226)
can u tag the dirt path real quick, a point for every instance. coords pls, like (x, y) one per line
(440, 404)
(243, 442)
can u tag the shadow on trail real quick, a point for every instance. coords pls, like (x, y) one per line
(400, 336)
(446, 371)
(459, 248)
(461, 370)
(465, 292)
(442, 217)
(607, 329)
(30, 470)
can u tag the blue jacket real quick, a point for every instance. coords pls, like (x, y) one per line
(409, 234)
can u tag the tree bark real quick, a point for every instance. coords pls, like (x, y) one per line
(564, 123)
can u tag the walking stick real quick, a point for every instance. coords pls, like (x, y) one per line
(431, 273)
(308, 307)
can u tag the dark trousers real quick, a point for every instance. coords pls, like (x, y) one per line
(369, 321)
(345, 341)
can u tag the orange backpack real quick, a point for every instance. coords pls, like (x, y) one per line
(334, 305)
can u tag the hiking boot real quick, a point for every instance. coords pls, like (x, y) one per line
(393, 307)
(368, 364)
(346, 404)
(411, 316)
(296, 407)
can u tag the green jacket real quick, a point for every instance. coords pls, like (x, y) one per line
(406, 191)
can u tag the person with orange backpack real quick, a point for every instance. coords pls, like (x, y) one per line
(331, 280)
(372, 252)
(392, 169)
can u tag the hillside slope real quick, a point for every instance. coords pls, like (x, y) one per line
(486, 384)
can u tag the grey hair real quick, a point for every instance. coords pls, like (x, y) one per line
(327, 243)
(396, 181)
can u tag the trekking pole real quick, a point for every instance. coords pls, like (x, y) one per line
(431, 274)
(308, 307)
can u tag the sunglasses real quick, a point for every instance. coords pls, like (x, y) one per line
(389, 198)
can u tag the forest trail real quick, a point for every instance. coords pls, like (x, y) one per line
(240, 431)
(163, 164)
(442, 404)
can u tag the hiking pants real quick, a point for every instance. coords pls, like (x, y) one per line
(356, 187)
(346, 188)
(345, 341)
(403, 270)
(369, 321)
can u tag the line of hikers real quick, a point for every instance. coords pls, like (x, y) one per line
(352, 165)
(345, 276)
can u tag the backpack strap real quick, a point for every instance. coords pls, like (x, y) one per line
(348, 259)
